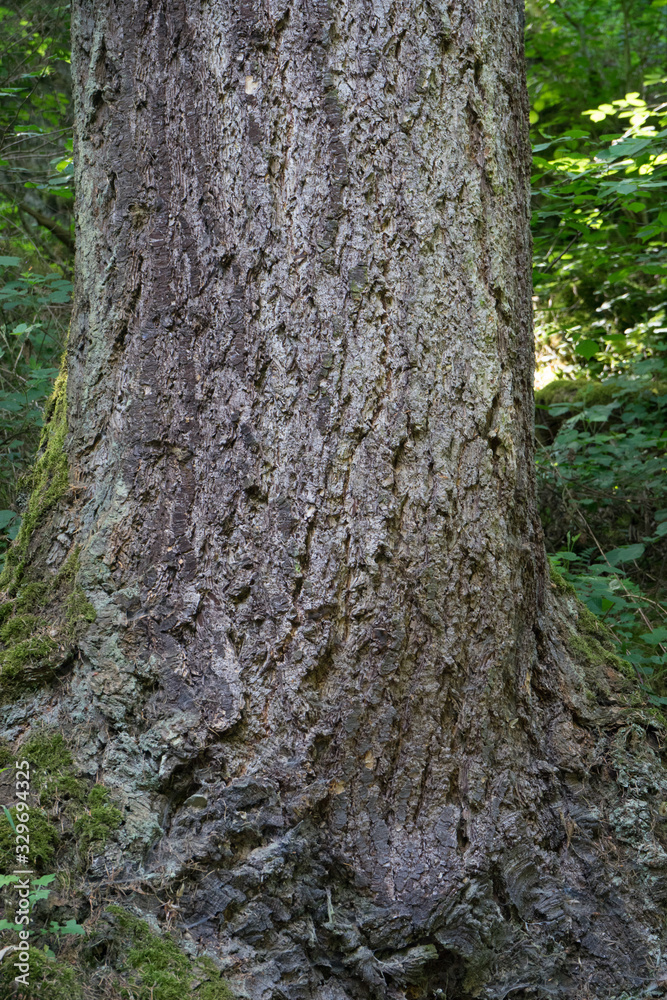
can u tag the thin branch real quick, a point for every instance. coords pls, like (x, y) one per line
(54, 227)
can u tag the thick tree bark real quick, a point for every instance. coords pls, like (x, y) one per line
(330, 679)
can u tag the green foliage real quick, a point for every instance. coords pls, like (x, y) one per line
(600, 170)
(602, 459)
(33, 324)
(48, 977)
(635, 622)
(36, 200)
(37, 894)
(579, 53)
(600, 233)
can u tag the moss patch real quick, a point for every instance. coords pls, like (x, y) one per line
(48, 752)
(36, 653)
(565, 390)
(52, 768)
(591, 639)
(6, 755)
(48, 482)
(43, 840)
(86, 813)
(41, 618)
(21, 627)
(161, 971)
(138, 964)
(592, 645)
(99, 821)
(36, 646)
(79, 611)
(32, 597)
(560, 583)
(49, 979)
(6, 609)
(598, 638)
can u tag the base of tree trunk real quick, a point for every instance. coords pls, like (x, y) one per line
(546, 880)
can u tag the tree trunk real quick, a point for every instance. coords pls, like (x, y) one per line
(330, 680)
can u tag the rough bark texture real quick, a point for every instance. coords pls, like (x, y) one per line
(330, 680)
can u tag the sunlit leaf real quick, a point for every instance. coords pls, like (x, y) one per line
(587, 348)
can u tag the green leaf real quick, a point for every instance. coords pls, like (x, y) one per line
(622, 149)
(587, 348)
(559, 409)
(72, 927)
(10, 261)
(10, 818)
(626, 553)
(6, 517)
(599, 413)
(43, 880)
(655, 637)
(39, 894)
(5, 925)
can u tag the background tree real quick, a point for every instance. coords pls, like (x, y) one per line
(36, 232)
(360, 742)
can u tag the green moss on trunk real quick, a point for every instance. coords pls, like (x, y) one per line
(43, 840)
(71, 816)
(49, 979)
(161, 971)
(43, 613)
(48, 481)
